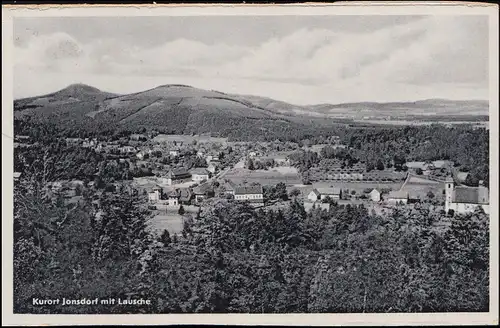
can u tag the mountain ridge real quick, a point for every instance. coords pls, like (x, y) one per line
(184, 109)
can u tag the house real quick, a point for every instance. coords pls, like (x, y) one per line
(185, 196)
(173, 198)
(138, 137)
(177, 176)
(127, 149)
(251, 193)
(322, 193)
(442, 164)
(174, 152)
(463, 199)
(212, 167)
(155, 194)
(212, 158)
(397, 197)
(228, 188)
(200, 174)
(203, 192)
(375, 195)
(22, 138)
(17, 175)
(73, 141)
(418, 165)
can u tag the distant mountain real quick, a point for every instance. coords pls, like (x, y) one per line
(185, 109)
(441, 107)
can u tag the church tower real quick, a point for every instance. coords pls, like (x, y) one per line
(449, 186)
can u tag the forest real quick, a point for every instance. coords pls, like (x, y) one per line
(234, 258)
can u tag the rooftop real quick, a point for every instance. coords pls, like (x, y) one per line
(398, 194)
(471, 195)
(200, 171)
(178, 172)
(328, 191)
(245, 190)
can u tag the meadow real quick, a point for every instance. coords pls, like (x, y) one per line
(289, 176)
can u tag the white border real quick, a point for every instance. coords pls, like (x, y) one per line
(374, 8)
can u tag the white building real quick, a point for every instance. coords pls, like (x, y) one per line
(398, 197)
(322, 193)
(155, 195)
(254, 194)
(375, 195)
(200, 174)
(463, 199)
(173, 153)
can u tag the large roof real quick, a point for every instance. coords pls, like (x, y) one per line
(202, 189)
(200, 171)
(471, 195)
(245, 190)
(178, 172)
(328, 191)
(398, 194)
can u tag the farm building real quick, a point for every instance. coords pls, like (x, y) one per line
(375, 195)
(199, 174)
(417, 165)
(462, 199)
(253, 194)
(322, 193)
(176, 176)
(203, 192)
(442, 164)
(397, 197)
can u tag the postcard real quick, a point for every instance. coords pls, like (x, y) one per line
(302, 164)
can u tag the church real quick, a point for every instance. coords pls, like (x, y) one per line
(463, 199)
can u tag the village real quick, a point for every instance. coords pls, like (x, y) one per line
(176, 174)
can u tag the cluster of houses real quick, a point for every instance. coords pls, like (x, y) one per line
(186, 196)
(430, 168)
(375, 195)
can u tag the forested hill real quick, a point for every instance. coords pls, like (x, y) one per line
(81, 109)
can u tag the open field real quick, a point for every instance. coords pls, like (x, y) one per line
(271, 177)
(172, 222)
(169, 219)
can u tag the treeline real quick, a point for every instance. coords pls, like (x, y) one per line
(467, 148)
(234, 258)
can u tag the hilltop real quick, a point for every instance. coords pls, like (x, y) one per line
(185, 109)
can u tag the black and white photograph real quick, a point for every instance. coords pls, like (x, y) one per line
(229, 162)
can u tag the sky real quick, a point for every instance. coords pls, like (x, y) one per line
(299, 59)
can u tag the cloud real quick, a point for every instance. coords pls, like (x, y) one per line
(423, 54)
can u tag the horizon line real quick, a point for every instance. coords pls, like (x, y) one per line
(245, 94)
